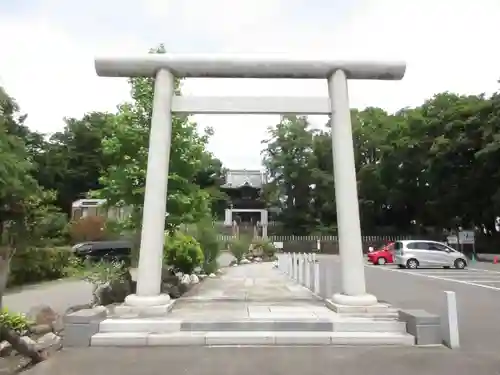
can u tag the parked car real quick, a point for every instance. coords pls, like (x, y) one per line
(104, 251)
(413, 254)
(383, 255)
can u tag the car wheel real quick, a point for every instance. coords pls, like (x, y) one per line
(460, 264)
(381, 261)
(412, 264)
(401, 266)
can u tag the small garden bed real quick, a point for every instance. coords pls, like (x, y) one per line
(246, 251)
(36, 335)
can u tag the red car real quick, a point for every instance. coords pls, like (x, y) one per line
(382, 255)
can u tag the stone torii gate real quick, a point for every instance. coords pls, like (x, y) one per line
(164, 67)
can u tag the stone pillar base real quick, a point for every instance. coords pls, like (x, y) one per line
(145, 305)
(375, 309)
(361, 300)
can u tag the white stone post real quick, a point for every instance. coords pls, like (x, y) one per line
(449, 321)
(155, 197)
(346, 199)
(316, 278)
(290, 265)
(310, 271)
(307, 276)
(304, 269)
(300, 278)
(294, 266)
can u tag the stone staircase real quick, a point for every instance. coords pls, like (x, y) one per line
(281, 328)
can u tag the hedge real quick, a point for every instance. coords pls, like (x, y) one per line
(34, 265)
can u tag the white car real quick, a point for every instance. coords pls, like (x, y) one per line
(421, 253)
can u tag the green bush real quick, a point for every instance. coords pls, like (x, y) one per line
(182, 252)
(33, 265)
(14, 321)
(206, 235)
(264, 248)
(239, 247)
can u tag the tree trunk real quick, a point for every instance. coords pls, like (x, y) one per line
(20, 346)
(6, 334)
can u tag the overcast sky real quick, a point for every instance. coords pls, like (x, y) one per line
(47, 50)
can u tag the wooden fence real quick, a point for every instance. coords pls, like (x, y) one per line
(327, 244)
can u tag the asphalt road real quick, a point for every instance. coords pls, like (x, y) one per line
(477, 290)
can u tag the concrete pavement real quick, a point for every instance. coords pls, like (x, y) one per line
(478, 306)
(269, 360)
(253, 304)
(59, 295)
(62, 294)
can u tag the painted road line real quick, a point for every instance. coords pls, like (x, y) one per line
(484, 270)
(460, 276)
(438, 278)
(483, 281)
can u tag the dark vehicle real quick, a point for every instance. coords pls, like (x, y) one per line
(104, 251)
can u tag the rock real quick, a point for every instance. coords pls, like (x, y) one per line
(219, 271)
(185, 279)
(194, 279)
(120, 289)
(198, 270)
(167, 273)
(74, 308)
(174, 292)
(179, 275)
(104, 295)
(42, 314)
(5, 349)
(235, 265)
(41, 329)
(183, 288)
(28, 341)
(170, 277)
(201, 276)
(212, 275)
(257, 259)
(245, 261)
(49, 340)
(58, 325)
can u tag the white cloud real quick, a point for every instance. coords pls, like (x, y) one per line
(448, 44)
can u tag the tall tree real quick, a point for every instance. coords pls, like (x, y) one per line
(127, 150)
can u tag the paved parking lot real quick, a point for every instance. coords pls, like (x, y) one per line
(477, 289)
(479, 277)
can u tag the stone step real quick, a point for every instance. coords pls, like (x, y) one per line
(166, 325)
(250, 338)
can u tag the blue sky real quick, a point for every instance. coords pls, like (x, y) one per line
(47, 59)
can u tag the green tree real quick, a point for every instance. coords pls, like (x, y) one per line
(73, 159)
(127, 149)
(289, 159)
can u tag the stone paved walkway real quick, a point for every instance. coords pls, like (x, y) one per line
(253, 291)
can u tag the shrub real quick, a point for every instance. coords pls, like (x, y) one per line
(90, 228)
(263, 248)
(38, 264)
(206, 235)
(182, 252)
(210, 267)
(16, 322)
(239, 247)
(114, 275)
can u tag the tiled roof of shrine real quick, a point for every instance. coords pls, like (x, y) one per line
(239, 178)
